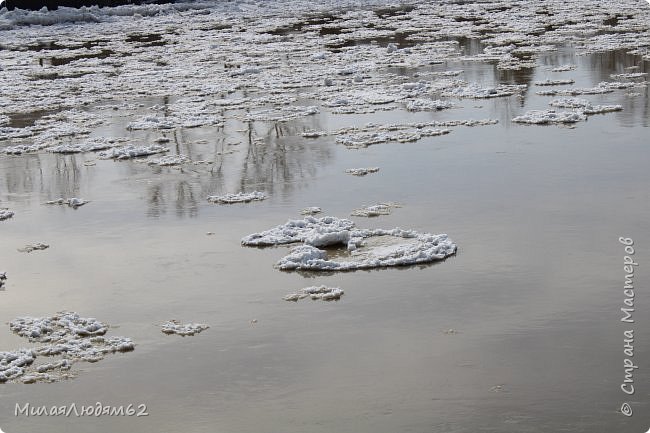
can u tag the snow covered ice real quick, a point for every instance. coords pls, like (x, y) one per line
(184, 330)
(240, 197)
(323, 293)
(362, 171)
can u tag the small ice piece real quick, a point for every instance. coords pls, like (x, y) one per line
(73, 202)
(5, 214)
(3, 278)
(375, 210)
(34, 247)
(427, 105)
(91, 145)
(169, 160)
(544, 117)
(362, 171)
(585, 106)
(240, 197)
(629, 75)
(323, 293)
(549, 82)
(313, 210)
(564, 68)
(176, 327)
(132, 151)
(313, 134)
(322, 231)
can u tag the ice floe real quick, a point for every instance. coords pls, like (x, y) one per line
(73, 202)
(312, 210)
(375, 210)
(3, 278)
(132, 151)
(65, 335)
(362, 171)
(34, 247)
(169, 160)
(367, 248)
(177, 328)
(543, 117)
(240, 197)
(427, 105)
(323, 293)
(549, 82)
(585, 106)
(5, 214)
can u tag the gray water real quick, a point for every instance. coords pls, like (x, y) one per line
(534, 292)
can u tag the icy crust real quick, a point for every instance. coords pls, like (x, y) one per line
(544, 117)
(550, 82)
(132, 151)
(428, 105)
(73, 202)
(375, 210)
(66, 335)
(322, 293)
(5, 214)
(585, 106)
(316, 231)
(312, 210)
(362, 171)
(417, 248)
(90, 145)
(34, 247)
(184, 330)
(240, 197)
(367, 248)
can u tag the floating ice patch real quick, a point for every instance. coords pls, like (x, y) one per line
(129, 152)
(549, 82)
(375, 210)
(362, 171)
(5, 214)
(564, 68)
(372, 249)
(629, 75)
(477, 92)
(66, 335)
(176, 327)
(73, 202)
(313, 134)
(585, 106)
(427, 105)
(34, 247)
(169, 160)
(313, 210)
(3, 278)
(321, 231)
(240, 197)
(543, 117)
(323, 293)
(91, 145)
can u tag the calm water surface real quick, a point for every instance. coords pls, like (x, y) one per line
(534, 292)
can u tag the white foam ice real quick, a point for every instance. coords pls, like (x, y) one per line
(240, 197)
(550, 82)
(321, 231)
(312, 210)
(175, 327)
(323, 293)
(362, 171)
(5, 214)
(34, 247)
(584, 105)
(375, 210)
(132, 151)
(428, 105)
(66, 335)
(73, 202)
(408, 248)
(543, 117)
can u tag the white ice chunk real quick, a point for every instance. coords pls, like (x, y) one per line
(240, 197)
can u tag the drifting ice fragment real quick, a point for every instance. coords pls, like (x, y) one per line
(240, 197)
(176, 327)
(316, 292)
(361, 171)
